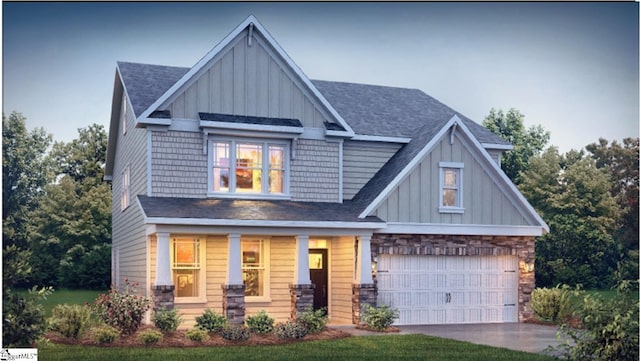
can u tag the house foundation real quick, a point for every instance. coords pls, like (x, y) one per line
(301, 298)
(233, 305)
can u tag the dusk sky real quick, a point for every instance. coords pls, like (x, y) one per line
(570, 67)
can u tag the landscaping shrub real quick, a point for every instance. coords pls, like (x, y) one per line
(551, 304)
(105, 334)
(23, 320)
(609, 328)
(167, 320)
(197, 335)
(70, 320)
(313, 321)
(122, 310)
(211, 321)
(291, 329)
(260, 323)
(378, 318)
(150, 337)
(235, 333)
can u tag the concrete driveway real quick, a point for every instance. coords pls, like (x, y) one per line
(525, 337)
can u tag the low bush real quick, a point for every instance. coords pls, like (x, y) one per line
(211, 321)
(235, 333)
(260, 323)
(552, 304)
(290, 329)
(167, 321)
(70, 320)
(105, 334)
(378, 318)
(150, 337)
(609, 328)
(122, 310)
(197, 335)
(23, 320)
(313, 321)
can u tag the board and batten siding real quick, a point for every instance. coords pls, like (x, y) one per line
(178, 165)
(361, 161)
(416, 197)
(251, 81)
(127, 230)
(341, 276)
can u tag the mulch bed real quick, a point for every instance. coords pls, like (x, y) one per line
(178, 339)
(390, 329)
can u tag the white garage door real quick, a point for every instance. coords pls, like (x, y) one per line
(449, 289)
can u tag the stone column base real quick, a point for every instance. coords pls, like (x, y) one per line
(301, 298)
(362, 294)
(163, 297)
(233, 303)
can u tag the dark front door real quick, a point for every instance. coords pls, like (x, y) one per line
(318, 271)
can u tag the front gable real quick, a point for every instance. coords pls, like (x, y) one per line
(488, 197)
(248, 74)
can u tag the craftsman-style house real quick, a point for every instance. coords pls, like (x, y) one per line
(239, 185)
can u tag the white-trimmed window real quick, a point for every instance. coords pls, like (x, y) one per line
(125, 198)
(450, 199)
(255, 272)
(187, 268)
(249, 167)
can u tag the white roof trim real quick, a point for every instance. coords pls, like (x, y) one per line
(497, 146)
(460, 229)
(218, 48)
(412, 164)
(379, 138)
(260, 223)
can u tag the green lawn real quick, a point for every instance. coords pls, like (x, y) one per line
(388, 347)
(78, 297)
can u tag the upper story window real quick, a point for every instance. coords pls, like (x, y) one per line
(249, 167)
(451, 187)
(125, 188)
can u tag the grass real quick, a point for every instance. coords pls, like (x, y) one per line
(388, 347)
(78, 297)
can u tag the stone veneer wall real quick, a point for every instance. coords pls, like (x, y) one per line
(301, 298)
(361, 295)
(233, 304)
(446, 245)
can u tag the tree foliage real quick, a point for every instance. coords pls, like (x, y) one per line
(621, 162)
(71, 228)
(573, 196)
(526, 142)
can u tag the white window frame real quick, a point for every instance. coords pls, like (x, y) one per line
(459, 168)
(202, 269)
(266, 245)
(125, 189)
(264, 194)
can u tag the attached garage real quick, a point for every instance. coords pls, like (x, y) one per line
(449, 289)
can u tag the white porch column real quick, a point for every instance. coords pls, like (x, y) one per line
(301, 272)
(234, 261)
(163, 260)
(363, 272)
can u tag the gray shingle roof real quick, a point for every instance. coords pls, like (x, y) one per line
(228, 118)
(258, 210)
(369, 109)
(146, 83)
(393, 112)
